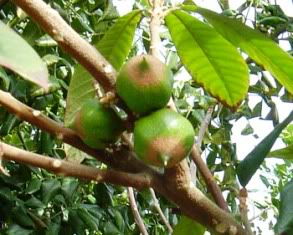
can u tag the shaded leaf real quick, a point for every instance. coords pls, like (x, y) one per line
(247, 130)
(211, 60)
(88, 219)
(19, 56)
(18, 230)
(254, 159)
(285, 220)
(116, 44)
(33, 186)
(284, 153)
(50, 188)
(259, 47)
(188, 226)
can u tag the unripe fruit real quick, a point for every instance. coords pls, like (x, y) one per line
(163, 138)
(145, 84)
(97, 125)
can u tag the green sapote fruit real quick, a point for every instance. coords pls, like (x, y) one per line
(145, 84)
(97, 125)
(163, 138)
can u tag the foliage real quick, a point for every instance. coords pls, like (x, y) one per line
(34, 201)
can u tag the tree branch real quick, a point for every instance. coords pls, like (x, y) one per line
(123, 160)
(70, 41)
(135, 212)
(66, 168)
(176, 184)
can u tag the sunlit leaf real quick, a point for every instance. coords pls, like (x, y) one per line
(254, 159)
(116, 44)
(285, 221)
(211, 60)
(284, 153)
(259, 47)
(17, 55)
(187, 226)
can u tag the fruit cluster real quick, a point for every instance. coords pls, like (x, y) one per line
(162, 137)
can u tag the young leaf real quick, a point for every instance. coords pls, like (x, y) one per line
(285, 221)
(284, 153)
(259, 47)
(117, 42)
(254, 159)
(17, 55)
(81, 88)
(188, 226)
(211, 60)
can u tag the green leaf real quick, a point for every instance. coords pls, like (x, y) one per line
(50, 188)
(285, 221)
(211, 60)
(88, 219)
(254, 159)
(18, 230)
(116, 44)
(33, 186)
(284, 153)
(188, 226)
(260, 48)
(17, 55)
(81, 88)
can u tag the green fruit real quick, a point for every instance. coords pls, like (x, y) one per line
(97, 125)
(163, 138)
(145, 84)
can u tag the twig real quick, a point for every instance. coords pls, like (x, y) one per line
(204, 126)
(135, 212)
(70, 41)
(200, 137)
(243, 210)
(66, 168)
(158, 208)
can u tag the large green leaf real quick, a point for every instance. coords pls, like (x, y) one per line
(284, 153)
(211, 60)
(259, 47)
(117, 42)
(254, 159)
(17, 55)
(285, 220)
(188, 226)
(81, 88)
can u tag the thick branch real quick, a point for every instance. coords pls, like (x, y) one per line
(70, 41)
(176, 184)
(66, 168)
(122, 160)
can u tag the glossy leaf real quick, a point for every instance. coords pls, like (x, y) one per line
(116, 44)
(17, 55)
(254, 159)
(285, 221)
(259, 47)
(211, 60)
(81, 88)
(187, 226)
(284, 153)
